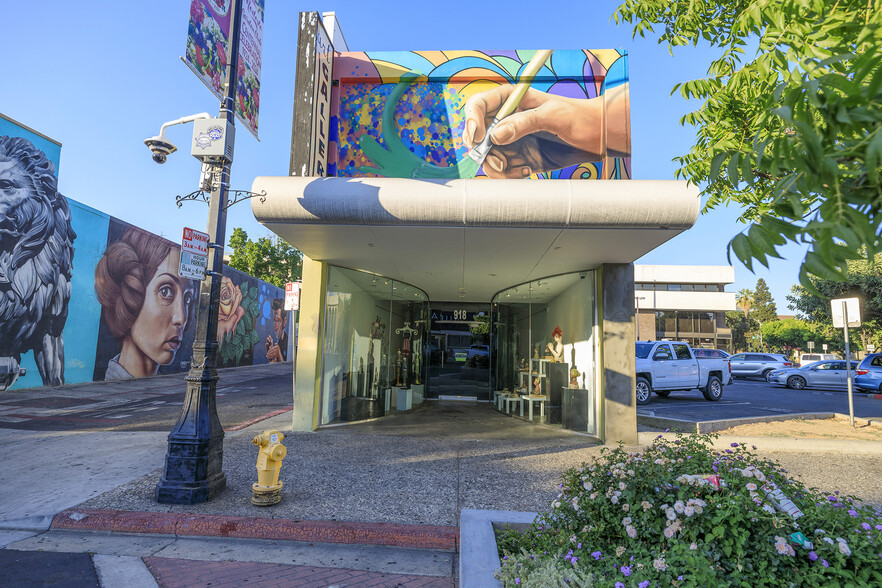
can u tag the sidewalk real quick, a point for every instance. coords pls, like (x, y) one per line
(371, 504)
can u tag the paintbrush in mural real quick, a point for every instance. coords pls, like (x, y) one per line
(397, 161)
(479, 153)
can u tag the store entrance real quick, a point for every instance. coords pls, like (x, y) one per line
(459, 350)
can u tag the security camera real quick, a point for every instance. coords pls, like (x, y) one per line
(161, 148)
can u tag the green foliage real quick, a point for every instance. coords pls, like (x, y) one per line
(234, 346)
(790, 334)
(764, 309)
(740, 326)
(794, 135)
(269, 258)
(658, 518)
(863, 281)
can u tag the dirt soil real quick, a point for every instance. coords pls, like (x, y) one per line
(810, 429)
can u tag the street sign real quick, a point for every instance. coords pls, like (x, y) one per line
(292, 296)
(194, 254)
(853, 310)
(824, 347)
(811, 345)
(871, 347)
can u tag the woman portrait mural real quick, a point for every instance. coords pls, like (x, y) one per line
(146, 306)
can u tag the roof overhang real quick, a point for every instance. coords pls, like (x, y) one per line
(468, 239)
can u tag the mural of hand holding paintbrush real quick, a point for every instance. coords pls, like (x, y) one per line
(514, 130)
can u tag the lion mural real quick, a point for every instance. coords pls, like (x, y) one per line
(36, 257)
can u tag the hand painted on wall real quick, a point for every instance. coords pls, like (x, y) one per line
(394, 121)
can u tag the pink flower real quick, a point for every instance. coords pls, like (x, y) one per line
(196, 14)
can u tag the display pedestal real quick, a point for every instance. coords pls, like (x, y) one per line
(558, 374)
(403, 399)
(387, 399)
(419, 393)
(578, 410)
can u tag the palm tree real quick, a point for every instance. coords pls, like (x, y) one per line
(744, 301)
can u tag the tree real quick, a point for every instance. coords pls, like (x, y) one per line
(269, 258)
(744, 301)
(795, 133)
(788, 334)
(764, 309)
(864, 282)
(739, 326)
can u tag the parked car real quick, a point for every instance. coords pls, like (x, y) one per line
(807, 358)
(757, 365)
(701, 353)
(819, 374)
(664, 367)
(868, 375)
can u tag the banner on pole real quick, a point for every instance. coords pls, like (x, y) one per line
(208, 47)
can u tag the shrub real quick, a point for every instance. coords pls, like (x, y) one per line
(679, 513)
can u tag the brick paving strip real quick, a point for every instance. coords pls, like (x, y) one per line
(182, 573)
(396, 535)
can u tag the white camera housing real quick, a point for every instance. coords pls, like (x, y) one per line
(161, 148)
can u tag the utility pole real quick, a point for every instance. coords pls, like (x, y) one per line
(193, 470)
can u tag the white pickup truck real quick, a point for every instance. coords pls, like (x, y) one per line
(666, 366)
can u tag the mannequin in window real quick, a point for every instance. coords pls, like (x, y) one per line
(556, 347)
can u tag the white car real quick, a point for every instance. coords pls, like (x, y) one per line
(807, 358)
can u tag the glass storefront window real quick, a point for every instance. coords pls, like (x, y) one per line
(374, 346)
(543, 349)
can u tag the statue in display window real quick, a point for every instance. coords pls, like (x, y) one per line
(537, 387)
(406, 333)
(555, 349)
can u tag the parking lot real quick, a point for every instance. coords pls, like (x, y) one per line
(756, 398)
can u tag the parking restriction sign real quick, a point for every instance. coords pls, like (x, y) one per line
(292, 296)
(194, 254)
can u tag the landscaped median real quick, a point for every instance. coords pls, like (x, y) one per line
(682, 513)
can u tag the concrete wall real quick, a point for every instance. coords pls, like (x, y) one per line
(617, 359)
(307, 372)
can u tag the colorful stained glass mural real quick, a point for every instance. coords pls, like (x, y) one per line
(559, 114)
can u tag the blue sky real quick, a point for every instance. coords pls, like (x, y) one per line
(101, 76)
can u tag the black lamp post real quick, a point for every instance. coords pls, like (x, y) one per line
(194, 462)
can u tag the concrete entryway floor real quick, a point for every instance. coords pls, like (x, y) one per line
(419, 467)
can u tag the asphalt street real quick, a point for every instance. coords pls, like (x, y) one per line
(756, 398)
(243, 394)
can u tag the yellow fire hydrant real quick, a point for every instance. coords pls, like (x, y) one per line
(268, 490)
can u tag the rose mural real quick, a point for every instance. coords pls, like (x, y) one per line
(236, 324)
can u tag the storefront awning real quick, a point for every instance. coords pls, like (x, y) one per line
(468, 239)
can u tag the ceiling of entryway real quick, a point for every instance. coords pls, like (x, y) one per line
(466, 240)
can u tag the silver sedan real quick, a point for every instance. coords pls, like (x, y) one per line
(819, 374)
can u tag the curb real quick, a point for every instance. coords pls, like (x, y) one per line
(723, 424)
(441, 538)
(787, 444)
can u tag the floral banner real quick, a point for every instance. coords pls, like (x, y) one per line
(207, 48)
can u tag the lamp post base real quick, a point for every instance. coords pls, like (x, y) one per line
(193, 471)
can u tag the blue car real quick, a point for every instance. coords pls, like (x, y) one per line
(868, 375)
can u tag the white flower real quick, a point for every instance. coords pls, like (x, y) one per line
(630, 472)
(646, 505)
(759, 476)
(783, 547)
(747, 473)
(689, 511)
(843, 548)
(626, 521)
(671, 514)
(632, 532)
(693, 546)
(828, 540)
(555, 504)
(589, 486)
(679, 506)
(626, 507)
(768, 509)
(669, 532)
(614, 499)
(660, 564)
(619, 551)
(751, 486)
(622, 486)
(593, 495)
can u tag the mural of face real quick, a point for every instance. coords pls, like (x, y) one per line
(157, 332)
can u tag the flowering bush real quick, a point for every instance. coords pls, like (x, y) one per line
(679, 513)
